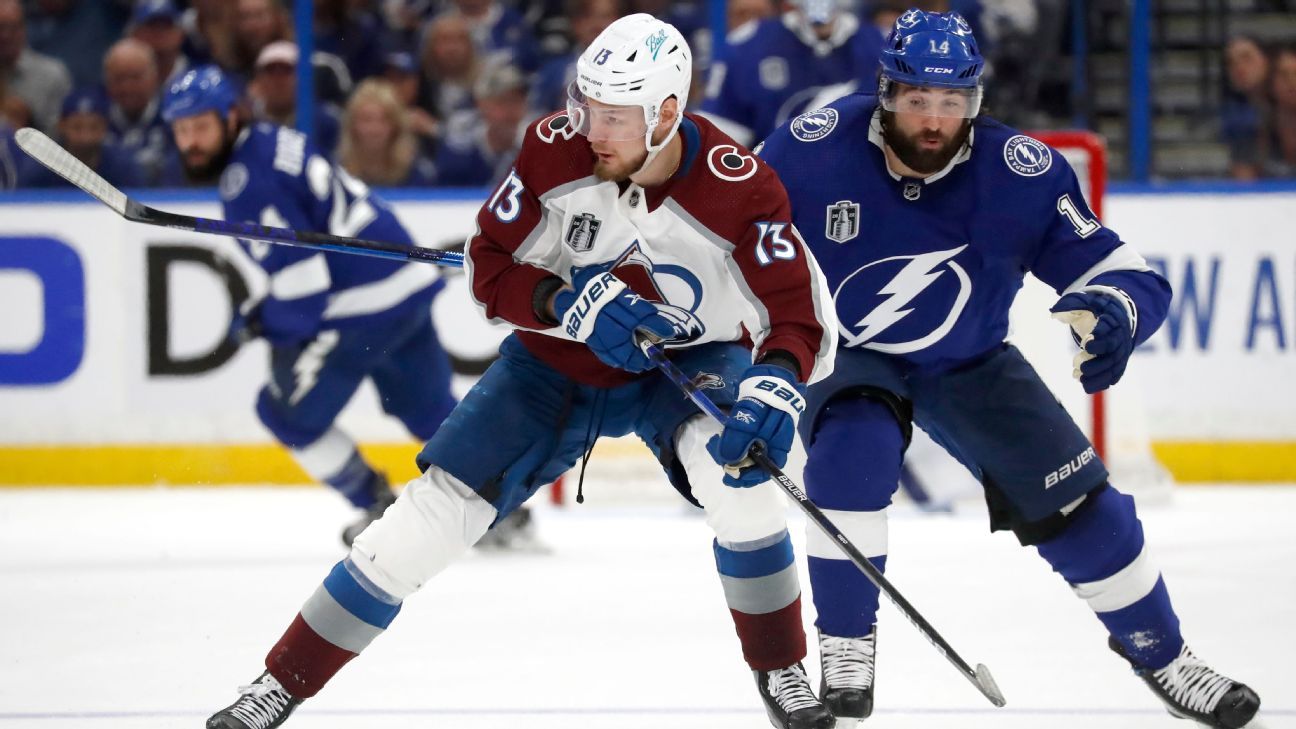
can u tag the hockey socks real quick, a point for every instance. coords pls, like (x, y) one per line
(342, 618)
(764, 596)
(1102, 555)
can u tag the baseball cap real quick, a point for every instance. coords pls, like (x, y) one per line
(85, 101)
(498, 79)
(401, 61)
(278, 52)
(146, 10)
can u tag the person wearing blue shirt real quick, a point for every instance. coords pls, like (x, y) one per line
(332, 320)
(83, 131)
(478, 147)
(134, 112)
(925, 216)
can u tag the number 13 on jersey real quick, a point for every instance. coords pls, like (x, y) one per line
(773, 245)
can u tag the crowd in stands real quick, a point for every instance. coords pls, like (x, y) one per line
(438, 92)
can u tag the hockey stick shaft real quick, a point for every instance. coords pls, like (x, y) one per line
(44, 150)
(980, 676)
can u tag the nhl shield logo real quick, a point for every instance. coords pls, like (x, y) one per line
(581, 233)
(843, 221)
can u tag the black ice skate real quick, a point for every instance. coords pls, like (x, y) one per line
(1191, 690)
(383, 498)
(514, 533)
(790, 701)
(848, 663)
(263, 705)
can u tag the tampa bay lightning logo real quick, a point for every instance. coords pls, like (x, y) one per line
(233, 180)
(814, 125)
(1027, 157)
(909, 19)
(932, 282)
(674, 290)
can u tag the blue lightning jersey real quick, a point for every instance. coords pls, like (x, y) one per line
(926, 270)
(277, 177)
(771, 71)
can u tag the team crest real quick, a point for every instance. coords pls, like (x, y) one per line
(582, 232)
(773, 73)
(814, 125)
(233, 180)
(1027, 156)
(557, 125)
(843, 221)
(708, 381)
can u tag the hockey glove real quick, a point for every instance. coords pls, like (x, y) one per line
(1101, 325)
(602, 312)
(244, 326)
(770, 400)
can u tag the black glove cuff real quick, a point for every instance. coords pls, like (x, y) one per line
(782, 358)
(540, 298)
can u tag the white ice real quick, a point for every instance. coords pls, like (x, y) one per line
(146, 608)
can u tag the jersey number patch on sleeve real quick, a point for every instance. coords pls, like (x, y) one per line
(506, 203)
(1084, 227)
(772, 245)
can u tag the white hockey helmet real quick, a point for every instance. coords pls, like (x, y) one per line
(638, 61)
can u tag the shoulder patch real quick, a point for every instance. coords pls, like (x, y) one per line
(233, 180)
(729, 163)
(1027, 156)
(814, 125)
(554, 126)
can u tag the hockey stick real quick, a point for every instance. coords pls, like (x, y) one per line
(980, 677)
(46, 151)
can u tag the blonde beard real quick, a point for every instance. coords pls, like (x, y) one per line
(621, 172)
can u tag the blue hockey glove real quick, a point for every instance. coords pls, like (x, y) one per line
(1101, 325)
(770, 400)
(602, 312)
(244, 327)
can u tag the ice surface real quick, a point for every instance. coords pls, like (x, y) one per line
(145, 608)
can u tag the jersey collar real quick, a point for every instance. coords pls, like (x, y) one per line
(844, 27)
(875, 136)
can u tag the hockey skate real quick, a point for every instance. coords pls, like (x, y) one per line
(848, 664)
(514, 533)
(383, 498)
(1192, 690)
(789, 700)
(264, 704)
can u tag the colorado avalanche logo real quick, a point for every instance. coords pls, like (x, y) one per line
(814, 125)
(906, 284)
(674, 290)
(557, 125)
(1027, 157)
(708, 381)
(729, 164)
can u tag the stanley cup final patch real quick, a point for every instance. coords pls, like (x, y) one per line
(581, 233)
(842, 222)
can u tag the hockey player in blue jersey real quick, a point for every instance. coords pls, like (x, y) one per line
(331, 320)
(774, 66)
(925, 216)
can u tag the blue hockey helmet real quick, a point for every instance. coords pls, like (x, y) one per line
(201, 90)
(932, 50)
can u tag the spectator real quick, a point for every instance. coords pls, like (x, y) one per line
(39, 80)
(450, 64)
(1282, 126)
(155, 23)
(77, 32)
(351, 33)
(1245, 105)
(273, 92)
(83, 131)
(588, 18)
(377, 144)
(479, 146)
(401, 71)
(208, 27)
(257, 24)
(499, 32)
(14, 115)
(134, 122)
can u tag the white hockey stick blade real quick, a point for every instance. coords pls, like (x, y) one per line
(46, 151)
(986, 683)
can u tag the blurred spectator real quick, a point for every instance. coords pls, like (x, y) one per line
(499, 32)
(39, 80)
(479, 146)
(1282, 127)
(77, 32)
(273, 92)
(450, 64)
(776, 67)
(134, 120)
(257, 24)
(14, 115)
(83, 131)
(353, 33)
(377, 145)
(588, 18)
(156, 24)
(401, 71)
(1245, 105)
(741, 12)
(208, 27)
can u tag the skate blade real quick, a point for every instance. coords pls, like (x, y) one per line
(986, 683)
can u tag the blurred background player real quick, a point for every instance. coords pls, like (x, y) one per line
(578, 280)
(331, 320)
(896, 196)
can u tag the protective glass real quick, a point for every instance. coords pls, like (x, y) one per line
(604, 122)
(964, 103)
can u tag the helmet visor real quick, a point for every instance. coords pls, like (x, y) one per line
(604, 122)
(955, 103)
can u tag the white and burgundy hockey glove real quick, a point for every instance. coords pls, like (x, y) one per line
(770, 401)
(602, 312)
(1103, 325)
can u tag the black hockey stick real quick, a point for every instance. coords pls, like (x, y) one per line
(46, 151)
(980, 677)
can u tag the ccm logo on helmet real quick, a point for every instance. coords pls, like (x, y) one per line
(937, 69)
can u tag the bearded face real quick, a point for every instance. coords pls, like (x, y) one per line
(925, 144)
